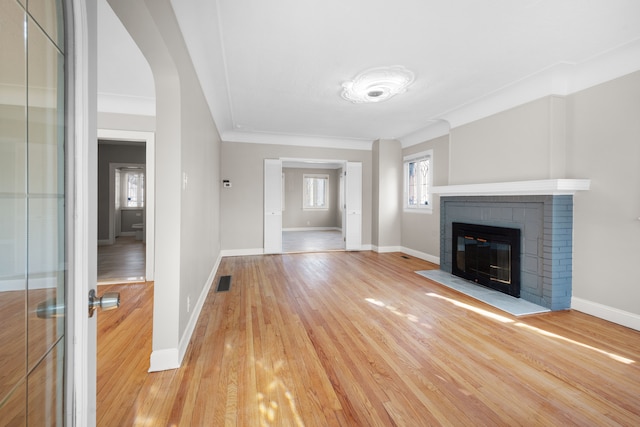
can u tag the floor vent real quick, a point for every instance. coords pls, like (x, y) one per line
(224, 284)
(405, 257)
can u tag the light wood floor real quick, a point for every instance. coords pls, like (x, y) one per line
(312, 241)
(124, 261)
(359, 339)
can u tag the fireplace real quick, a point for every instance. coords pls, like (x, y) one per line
(543, 212)
(487, 255)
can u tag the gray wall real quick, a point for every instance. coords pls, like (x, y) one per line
(187, 145)
(129, 217)
(517, 144)
(242, 205)
(604, 145)
(108, 153)
(294, 216)
(387, 194)
(420, 230)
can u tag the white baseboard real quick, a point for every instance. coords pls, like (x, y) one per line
(386, 249)
(104, 242)
(241, 252)
(313, 229)
(163, 360)
(422, 255)
(195, 314)
(621, 317)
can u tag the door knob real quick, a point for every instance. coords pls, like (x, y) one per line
(108, 301)
(50, 308)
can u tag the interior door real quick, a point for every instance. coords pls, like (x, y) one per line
(353, 199)
(272, 206)
(33, 261)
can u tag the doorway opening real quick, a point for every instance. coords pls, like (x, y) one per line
(125, 207)
(304, 204)
(312, 206)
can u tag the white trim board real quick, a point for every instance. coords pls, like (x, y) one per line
(163, 360)
(313, 229)
(621, 317)
(422, 255)
(195, 314)
(241, 252)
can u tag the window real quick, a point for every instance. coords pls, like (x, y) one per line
(315, 192)
(417, 175)
(132, 188)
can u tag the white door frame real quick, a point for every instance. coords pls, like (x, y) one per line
(82, 239)
(149, 178)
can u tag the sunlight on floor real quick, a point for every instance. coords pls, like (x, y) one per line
(560, 337)
(266, 405)
(473, 308)
(503, 319)
(395, 311)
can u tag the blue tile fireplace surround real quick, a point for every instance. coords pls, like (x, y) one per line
(546, 228)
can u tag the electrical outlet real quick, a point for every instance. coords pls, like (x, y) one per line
(188, 304)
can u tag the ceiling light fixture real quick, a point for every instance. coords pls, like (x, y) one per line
(377, 84)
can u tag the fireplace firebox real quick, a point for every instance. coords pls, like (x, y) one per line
(487, 255)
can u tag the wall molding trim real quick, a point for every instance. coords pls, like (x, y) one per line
(241, 252)
(422, 255)
(164, 360)
(621, 317)
(195, 314)
(516, 188)
(313, 229)
(386, 249)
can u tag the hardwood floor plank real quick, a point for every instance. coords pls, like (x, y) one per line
(359, 339)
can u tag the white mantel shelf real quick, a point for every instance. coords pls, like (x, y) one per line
(517, 188)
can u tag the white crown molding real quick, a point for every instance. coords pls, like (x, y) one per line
(516, 188)
(299, 140)
(435, 130)
(562, 79)
(126, 104)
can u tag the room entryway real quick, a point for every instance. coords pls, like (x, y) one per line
(122, 262)
(312, 241)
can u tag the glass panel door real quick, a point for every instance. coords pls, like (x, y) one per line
(32, 213)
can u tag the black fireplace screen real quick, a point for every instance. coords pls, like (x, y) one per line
(487, 255)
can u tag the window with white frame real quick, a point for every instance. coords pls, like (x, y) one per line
(418, 181)
(315, 191)
(132, 188)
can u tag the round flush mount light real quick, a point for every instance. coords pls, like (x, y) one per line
(377, 84)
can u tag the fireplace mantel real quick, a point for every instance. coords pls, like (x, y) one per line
(517, 188)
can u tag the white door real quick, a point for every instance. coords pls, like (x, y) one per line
(272, 206)
(353, 199)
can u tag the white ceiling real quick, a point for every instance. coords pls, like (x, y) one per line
(272, 70)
